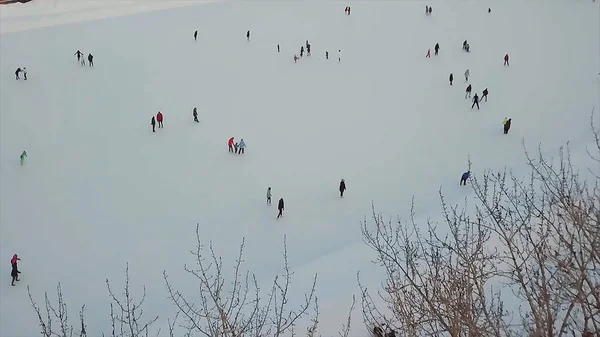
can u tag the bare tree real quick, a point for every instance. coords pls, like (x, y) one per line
(58, 315)
(239, 309)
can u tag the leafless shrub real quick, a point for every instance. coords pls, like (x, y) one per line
(58, 315)
(238, 310)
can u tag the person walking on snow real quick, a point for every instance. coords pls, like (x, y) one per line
(17, 73)
(235, 146)
(484, 94)
(15, 270)
(248, 35)
(339, 55)
(436, 48)
(196, 36)
(242, 146)
(308, 50)
(280, 207)
(326, 55)
(278, 48)
(230, 144)
(302, 51)
(467, 73)
(23, 156)
(468, 92)
(153, 123)
(269, 196)
(475, 101)
(464, 177)
(342, 188)
(90, 60)
(195, 114)
(507, 125)
(24, 73)
(428, 53)
(296, 58)
(451, 78)
(159, 119)
(506, 60)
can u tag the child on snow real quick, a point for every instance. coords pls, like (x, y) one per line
(235, 146)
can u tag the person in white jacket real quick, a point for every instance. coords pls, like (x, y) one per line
(269, 196)
(241, 146)
(467, 73)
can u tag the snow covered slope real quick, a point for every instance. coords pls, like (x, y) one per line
(99, 189)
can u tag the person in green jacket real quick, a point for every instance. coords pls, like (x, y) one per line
(23, 156)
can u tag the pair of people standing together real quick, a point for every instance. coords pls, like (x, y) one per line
(236, 147)
(280, 204)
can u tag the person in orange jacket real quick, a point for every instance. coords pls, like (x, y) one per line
(230, 144)
(159, 119)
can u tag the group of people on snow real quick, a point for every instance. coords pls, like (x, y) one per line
(18, 71)
(347, 10)
(428, 10)
(159, 118)
(236, 147)
(81, 59)
(280, 204)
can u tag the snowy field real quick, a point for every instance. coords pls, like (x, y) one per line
(99, 189)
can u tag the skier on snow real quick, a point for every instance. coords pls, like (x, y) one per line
(23, 156)
(468, 92)
(195, 114)
(280, 208)
(15, 271)
(475, 101)
(159, 119)
(342, 188)
(464, 177)
(269, 196)
(507, 125)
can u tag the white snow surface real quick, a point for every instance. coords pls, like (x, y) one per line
(99, 189)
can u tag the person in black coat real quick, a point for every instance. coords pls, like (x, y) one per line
(342, 188)
(464, 177)
(15, 271)
(90, 60)
(196, 36)
(484, 94)
(507, 125)
(437, 46)
(280, 207)
(475, 101)
(17, 73)
(248, 35)
(468, 91)
(153, 123)
(195, 114)
(451, 78)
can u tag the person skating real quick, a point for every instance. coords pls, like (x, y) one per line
(17, 72)
(23, 156)
(467, 74)
(196, 36)
(280, 207)
(464, 177)
(451, 78)
(475, 101)
(15, 270)
(468, 91)
(153, 123)
(79, 55)
(90, 60)
(248, 35)
(269, 196)
(24, 73)
(436, 48)
(484, 94)
(242, 146)
(506, 60)
(507, 125)
(342, 188)
(230, 143)
(195, 114)
(159, 119)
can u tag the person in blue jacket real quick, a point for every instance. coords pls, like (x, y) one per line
(465, 176)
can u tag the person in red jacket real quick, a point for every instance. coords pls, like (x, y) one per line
(14, 272)
(506, 60)
(159, 119)
(230, 144)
